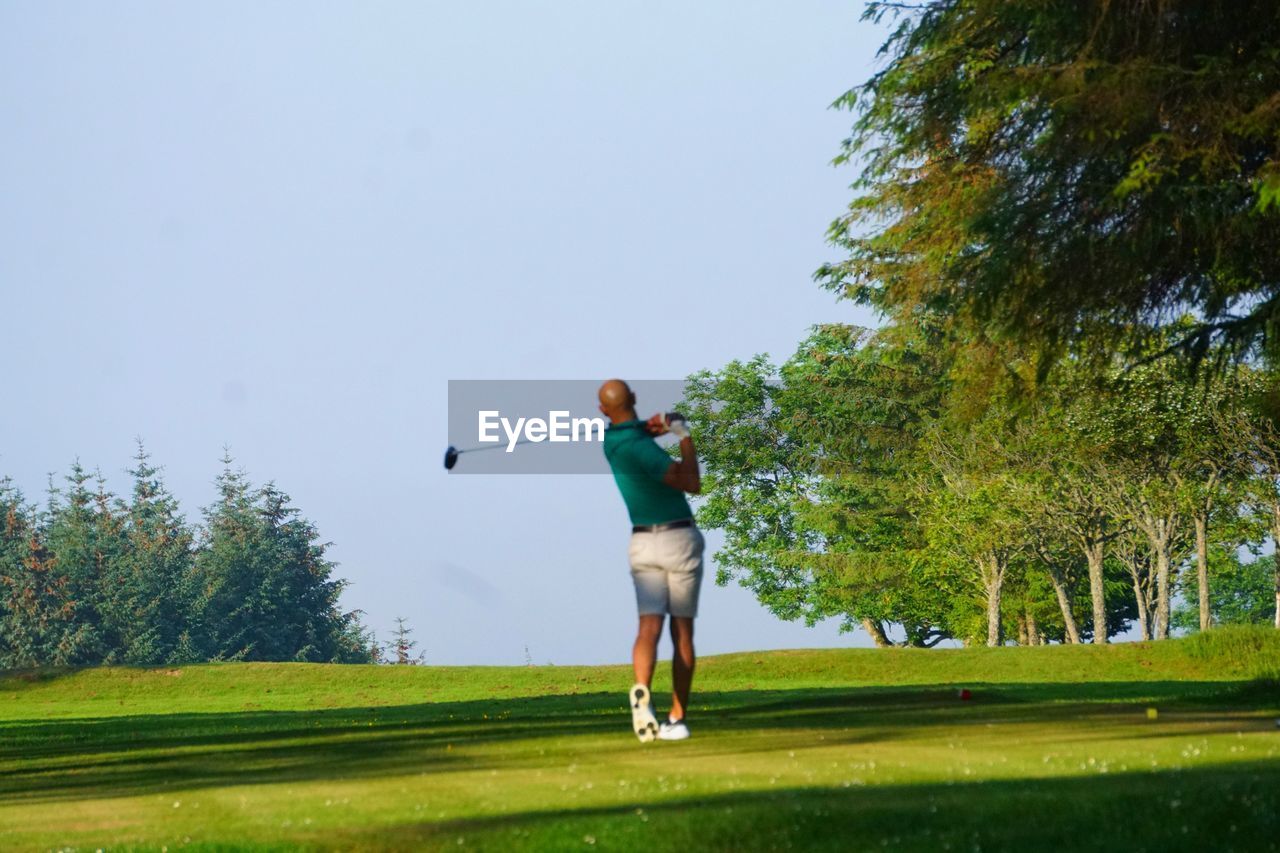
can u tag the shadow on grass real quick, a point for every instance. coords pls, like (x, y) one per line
(1218, 808)
(48, 760)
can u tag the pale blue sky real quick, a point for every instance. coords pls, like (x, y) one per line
(284, 226)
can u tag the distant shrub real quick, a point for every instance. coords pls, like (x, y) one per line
(1253, 649)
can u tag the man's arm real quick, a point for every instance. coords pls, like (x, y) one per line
(684, 475)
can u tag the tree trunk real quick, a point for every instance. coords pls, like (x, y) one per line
(992, 568)
(1144, 615)
(1064, 604)
(994, 632)
(1141, 575)
(1097, 591)
(1033, 630)
(1275, 535)
(1162, 593)
(1022, 630)
(876, 629)
(1202, 569)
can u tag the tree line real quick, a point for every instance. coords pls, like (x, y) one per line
(1067, 218)
(853, 481)
(89, 577)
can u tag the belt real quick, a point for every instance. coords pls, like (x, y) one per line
(654, 528)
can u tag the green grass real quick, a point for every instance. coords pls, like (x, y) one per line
(840, 750)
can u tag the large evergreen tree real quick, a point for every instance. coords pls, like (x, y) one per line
(265, 587)
(81, 544)
(1071, 176)
(151, 608)
(36, 610)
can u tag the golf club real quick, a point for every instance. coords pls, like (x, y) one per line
(451, 454)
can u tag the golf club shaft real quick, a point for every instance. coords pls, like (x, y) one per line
(498, 446)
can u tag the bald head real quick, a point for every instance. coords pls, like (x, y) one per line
(617, 401)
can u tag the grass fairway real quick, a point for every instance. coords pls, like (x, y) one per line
(840, 750)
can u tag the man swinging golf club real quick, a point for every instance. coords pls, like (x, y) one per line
(665, 552)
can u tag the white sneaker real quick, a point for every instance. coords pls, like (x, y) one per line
(643, 722)
(673, 731)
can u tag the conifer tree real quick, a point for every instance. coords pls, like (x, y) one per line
(81, 546)
(402, 645)
(151, 605)
(266, 590)
(224, 569)
(298, 587)
(36, 614)
(12, 550)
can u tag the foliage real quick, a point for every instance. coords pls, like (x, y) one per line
(852, 482)
(1240, 593)
(810, 477)
(91, 578)
(403, 647)
(1052, 198)
(1072, 177)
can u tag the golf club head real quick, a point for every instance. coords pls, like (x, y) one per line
(450, 458)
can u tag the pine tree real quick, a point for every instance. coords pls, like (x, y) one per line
(13, 543)
(266, 590)
(224, 570)
(84, 544)
(151, 606)
(110, 544)
(298, 587)
(358, 643)
(402, 647)
(36, 614)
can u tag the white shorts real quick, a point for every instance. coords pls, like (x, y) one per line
(666, 566)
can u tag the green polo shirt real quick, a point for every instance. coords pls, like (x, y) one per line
(639, 465)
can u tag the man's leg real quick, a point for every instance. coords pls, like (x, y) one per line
(682, 662)
(643, 654)
(645, 651)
